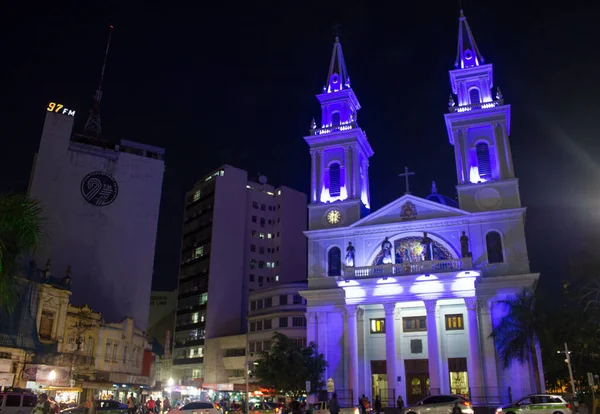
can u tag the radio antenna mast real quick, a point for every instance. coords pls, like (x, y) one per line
(92, 126)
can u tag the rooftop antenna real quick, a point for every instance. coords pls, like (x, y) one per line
(92, 126)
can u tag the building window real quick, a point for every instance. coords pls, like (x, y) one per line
(270, 235)
(474, 96)
(253, 233)
(416, 346)
(261, 236)
(334, 180)
(252, 326)
(261, 264)
(266, 345)
(493, 242)
(283, 322)
(297, 299)
(283, 299)
(262, 222)
(268, 302)
(335, 118)
(261, 250)
(298, 321)
(253, 305)
(454, 322)
(262, 207)
(260, 280)
(253, 219)
(277, 278)
(252, 264)
(259, 326)
(334, 262)
(484, 165)
(254, 204)
(251, 347)
(377, 325)
(251, 277)
(46, 324)
(457, 368)
(414, 324)
(253, 247)
(196, 196)
(199, 252)
(115, 352)
(268, 323)
(203, 298)
(259, 304)
(107, 351)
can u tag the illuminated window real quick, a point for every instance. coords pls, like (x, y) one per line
(334, 262)
(483, 160)
(203, 298)
(377, 326)
(474, 96)
(454, 322)
(196, 196)
(195, 317)
(414, 324)
(334, 180)
(493, 242)
(262, 236)
(335, 118)
(277, 278)
(270, 235)
(199, 252)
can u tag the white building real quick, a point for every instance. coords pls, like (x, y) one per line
(402, 301)
(278, 308)
(238, 235)
(102, 200)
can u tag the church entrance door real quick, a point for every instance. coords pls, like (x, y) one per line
(379, 382)
(417, 379)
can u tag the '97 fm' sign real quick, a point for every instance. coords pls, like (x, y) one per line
(59, 108)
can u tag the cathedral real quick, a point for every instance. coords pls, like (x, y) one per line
(402, 300)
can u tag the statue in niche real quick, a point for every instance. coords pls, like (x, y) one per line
(464, 245)
(426, 242)
(350, 255)
(386, 250)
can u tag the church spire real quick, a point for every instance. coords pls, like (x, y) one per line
(337, 78)
(467, 53)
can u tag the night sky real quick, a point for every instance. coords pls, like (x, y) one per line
(227, 83)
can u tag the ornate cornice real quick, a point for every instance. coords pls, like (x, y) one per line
(411, 226)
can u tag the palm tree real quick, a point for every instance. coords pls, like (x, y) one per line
(516, 335)
(21, 226)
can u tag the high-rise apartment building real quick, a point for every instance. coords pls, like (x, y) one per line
(101, 202)
(238, 235)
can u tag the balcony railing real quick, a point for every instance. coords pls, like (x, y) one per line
(330, 129)
(408, 268)
(480, 105)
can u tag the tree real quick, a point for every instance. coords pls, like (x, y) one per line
(287, 366)
(516, 335)
(21, 226)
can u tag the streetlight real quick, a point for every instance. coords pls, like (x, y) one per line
(52, 376)
(170, 382)
(568, 361)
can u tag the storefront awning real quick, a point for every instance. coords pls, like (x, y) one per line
(63, 389)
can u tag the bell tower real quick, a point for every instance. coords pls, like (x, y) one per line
(478, 127)
(340, 153)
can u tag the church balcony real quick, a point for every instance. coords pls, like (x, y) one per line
(331, 129)
(409, 268)
(480, 105)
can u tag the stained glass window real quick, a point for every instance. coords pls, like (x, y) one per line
(483, 160)
(411, 249)
(334, 180)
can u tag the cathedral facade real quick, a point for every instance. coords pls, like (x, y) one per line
(402, 301)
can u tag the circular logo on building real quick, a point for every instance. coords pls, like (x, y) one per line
(99, 188)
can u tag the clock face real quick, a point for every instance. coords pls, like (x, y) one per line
(334, 216)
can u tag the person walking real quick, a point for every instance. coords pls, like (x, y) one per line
(43, 405)
(166, 405)
(131, 404)
(334, 405)
(400, 403)
(377, 404)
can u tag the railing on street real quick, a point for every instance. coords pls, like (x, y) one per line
(408, 268)
(489, 396)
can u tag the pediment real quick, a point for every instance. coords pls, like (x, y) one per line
(409, 208)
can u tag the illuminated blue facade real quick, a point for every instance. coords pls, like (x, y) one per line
(402, 301)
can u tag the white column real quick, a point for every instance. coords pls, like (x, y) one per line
(311, 327)
(366, 184)
(320, 174)
(465, 150)
(355, 173)
(348, 171)
(489, 355)
(313, 179)
(390, 345)
(353, 348)
(476, 384)
(322, 337)
(433, 351)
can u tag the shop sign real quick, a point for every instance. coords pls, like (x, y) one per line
(120, 378)
(5, 365)
(6, 380)
(42, 374)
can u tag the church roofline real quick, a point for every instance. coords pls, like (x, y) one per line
(337, 66)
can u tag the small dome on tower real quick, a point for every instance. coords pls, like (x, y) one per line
(439, 198)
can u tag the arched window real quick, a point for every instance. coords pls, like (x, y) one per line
(483, 160)
(334, 180)
(493, 241)
(335, 118)
(334, 262)
(474, 95)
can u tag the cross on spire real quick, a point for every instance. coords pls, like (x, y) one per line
(336, 28)
(406, 174)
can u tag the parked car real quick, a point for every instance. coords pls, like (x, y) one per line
(197, 407)
(103, 406)
(440, 404)
(541, 403)
(17, 402)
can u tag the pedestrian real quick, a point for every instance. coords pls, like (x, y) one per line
(43, 405)
(157, 409)
(361, 404)
(131, 404)
(377, 404)
(456, 409)
(166, 405)
(151, 405)
(400, 403)
(90, 406)
(334, 405)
